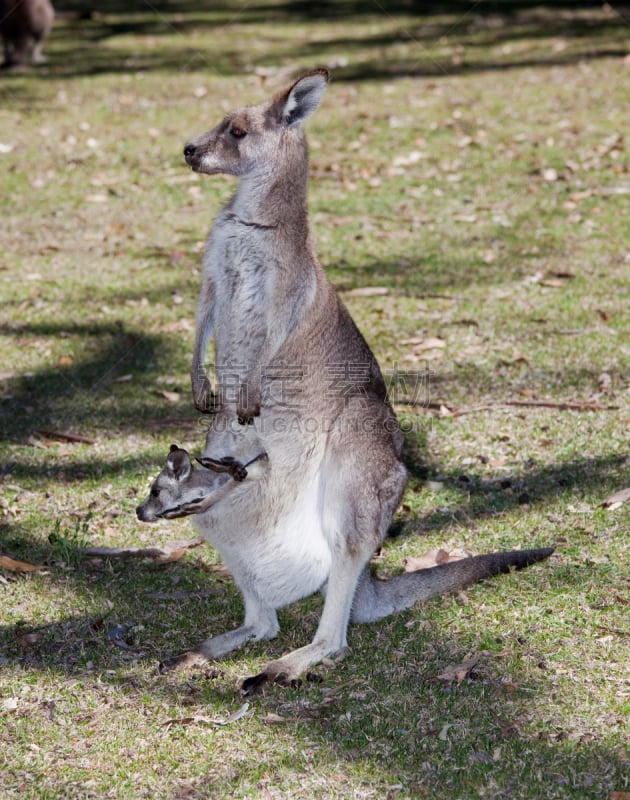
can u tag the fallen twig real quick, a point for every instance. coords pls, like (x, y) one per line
(60, 436)
(577, 405)
(200, 719)
(170, 552)
(171, 422)
(181, 595)
(442, 410)
(14, 565)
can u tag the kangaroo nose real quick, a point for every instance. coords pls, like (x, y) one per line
(189, 151)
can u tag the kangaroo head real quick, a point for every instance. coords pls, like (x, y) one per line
(178, 484)
(250, 139)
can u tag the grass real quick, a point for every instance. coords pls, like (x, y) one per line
(471, 161)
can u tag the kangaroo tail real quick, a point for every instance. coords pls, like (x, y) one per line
(375, 599)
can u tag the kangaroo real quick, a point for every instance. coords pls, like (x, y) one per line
(298, 382)
(24, 24)
(180, 490)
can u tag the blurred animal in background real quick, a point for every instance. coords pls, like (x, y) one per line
(24, 24)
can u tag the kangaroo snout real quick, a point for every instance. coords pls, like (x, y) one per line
(143, 515)
(194, 152)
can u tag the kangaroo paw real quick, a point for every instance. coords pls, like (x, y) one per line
(234, 467)
(248, 406)
(254, 685)
(257, 683)
(203, 397)
(227, 464)
(245, 416)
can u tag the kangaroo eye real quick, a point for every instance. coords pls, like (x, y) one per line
(155, 492)
(238, 133)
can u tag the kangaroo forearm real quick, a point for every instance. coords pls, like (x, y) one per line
(198, 374)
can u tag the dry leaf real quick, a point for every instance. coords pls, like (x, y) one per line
(33, 441)
(276, 719)
(399, 234)
(410, 158)
(431, 343)
(555, 280)
(432, 558)
(457, 672)
(338, 221)
(9, 704)
(184, 324)
(368, 291)
(29, 639)
(242, 711)
(218, 570)
(425, 355)
(605, 382)
(12, 564)
(443, 735)
(200, 719)
(550, 175)
(175, 553)
(170, 723)
(553, 283)
(172, 397)
(615, 500)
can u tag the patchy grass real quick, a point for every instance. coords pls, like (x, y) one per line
(469, 160)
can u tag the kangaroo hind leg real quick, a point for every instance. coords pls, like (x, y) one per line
(261, 622)
(357, 506)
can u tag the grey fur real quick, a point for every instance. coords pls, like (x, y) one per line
(309, 518)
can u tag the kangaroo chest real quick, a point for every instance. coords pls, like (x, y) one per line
(241, 264)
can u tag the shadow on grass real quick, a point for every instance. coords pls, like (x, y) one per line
(81, 43)
(103, 389)
(114, 631)
(427, 275)
(531, 486)
(479, 499)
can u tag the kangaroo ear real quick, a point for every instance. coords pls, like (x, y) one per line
(300, 100)
(178, 464)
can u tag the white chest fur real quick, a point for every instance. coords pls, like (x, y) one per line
(280, 562)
